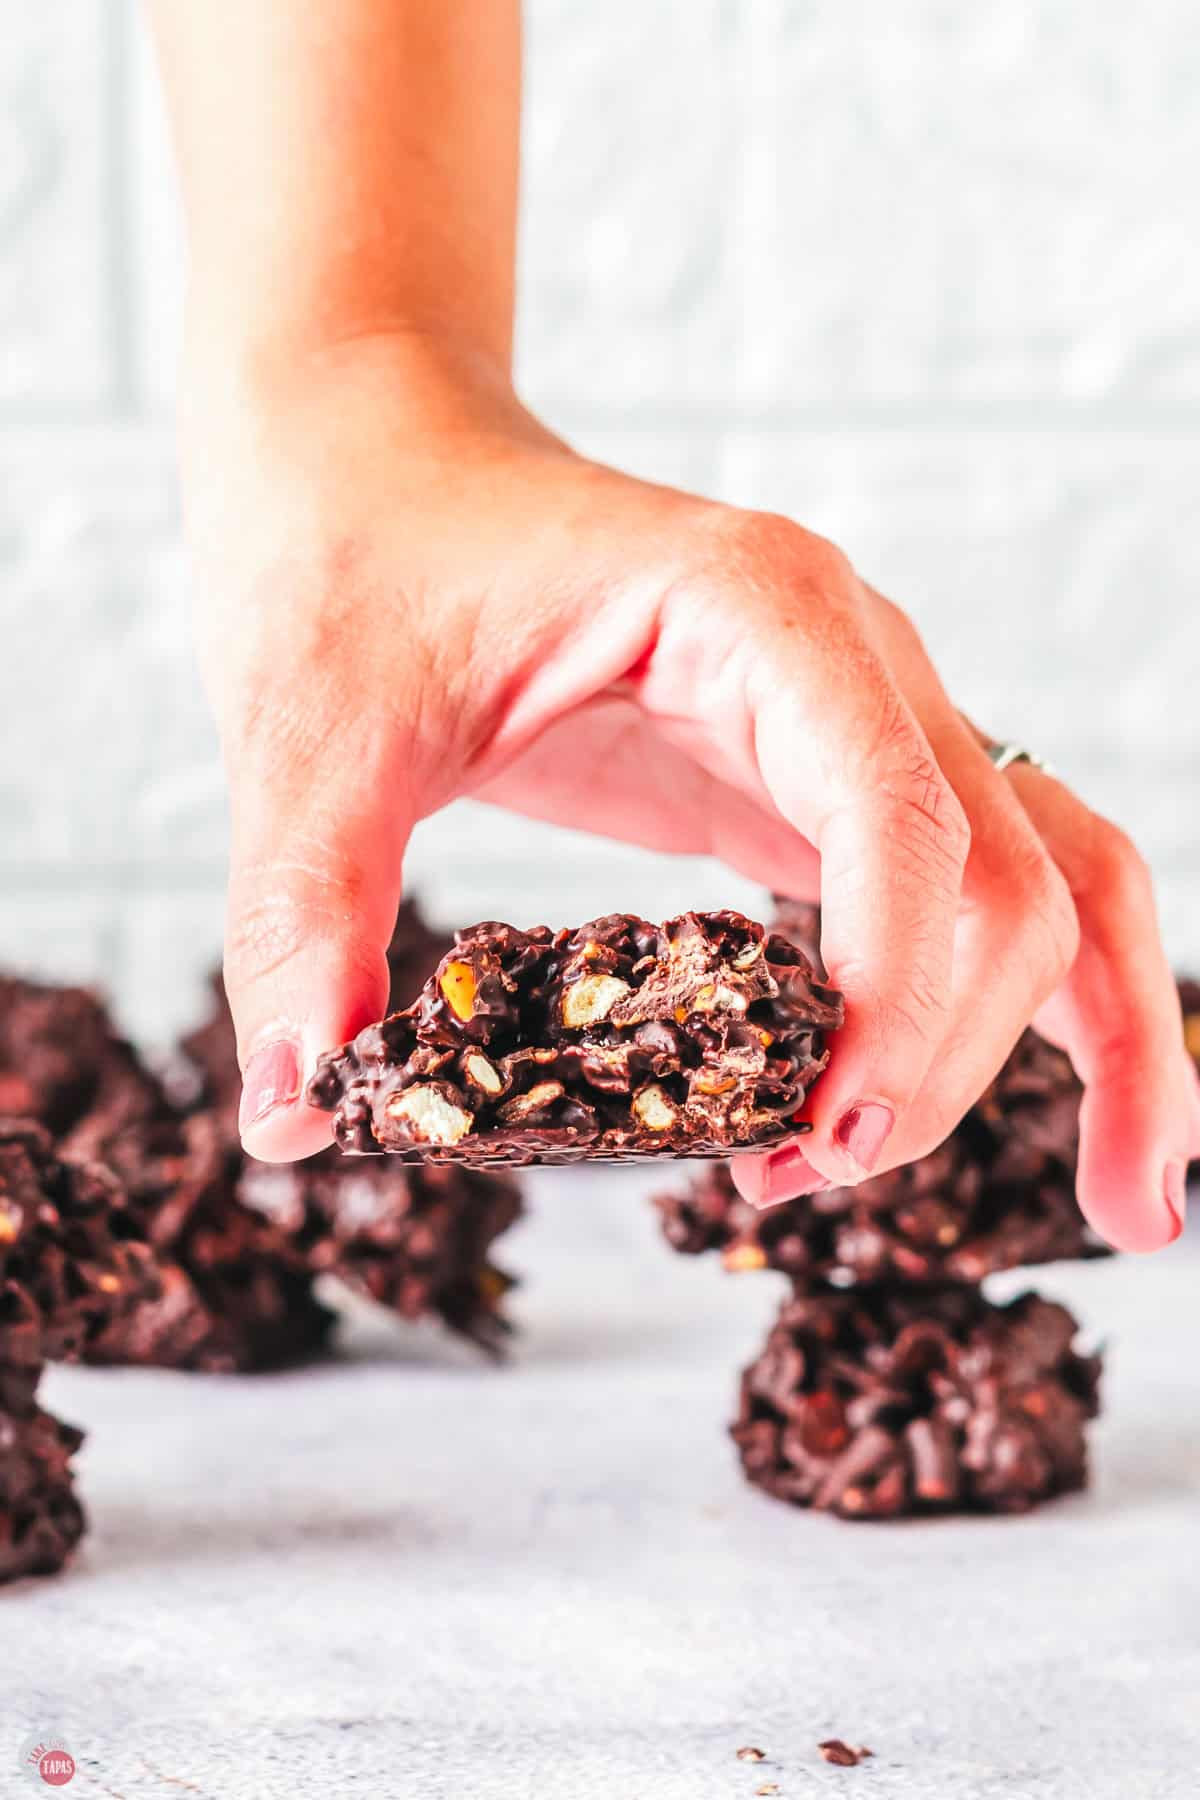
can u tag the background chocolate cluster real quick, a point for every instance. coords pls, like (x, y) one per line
(134, 1230)
(890, 1383)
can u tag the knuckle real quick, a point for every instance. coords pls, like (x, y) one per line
(773, 552)
(1048, 919)
(936, 831)
(1116, 871)
(894, 774)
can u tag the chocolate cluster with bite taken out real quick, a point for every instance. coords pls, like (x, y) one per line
(618, 1040)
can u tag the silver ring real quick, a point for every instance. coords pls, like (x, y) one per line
(1004, 756)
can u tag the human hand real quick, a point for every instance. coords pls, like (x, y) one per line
(412, 591)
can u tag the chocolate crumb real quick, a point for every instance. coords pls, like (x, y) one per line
(835, 1751)
(748, 1753)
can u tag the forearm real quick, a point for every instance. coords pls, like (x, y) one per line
(348, 166)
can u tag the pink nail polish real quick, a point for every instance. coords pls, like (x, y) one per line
(864, 1130)
(786, 1174)
(1175, 1195)
(271, 1079)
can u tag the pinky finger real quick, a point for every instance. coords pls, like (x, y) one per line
(1118, 1016)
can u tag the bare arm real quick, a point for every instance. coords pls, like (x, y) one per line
(348, 166)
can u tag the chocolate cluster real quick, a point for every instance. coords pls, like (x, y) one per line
(620, 1039)
(998, 1194)
(236, 1294)
(870, 1265)
(416, 1240)
(894, 1401)
(238, 1247)
(71, 1262)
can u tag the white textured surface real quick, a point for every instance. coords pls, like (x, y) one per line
(406, 1575)
(925, 277)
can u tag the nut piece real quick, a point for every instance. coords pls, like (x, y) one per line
(712, 1081)
(431, 1118)
(458, 984)
(654, 1109)
(741, 1258)
(718, 996)
(591, 999)
(748, 1753)
(523, 1106)
(484, 1074)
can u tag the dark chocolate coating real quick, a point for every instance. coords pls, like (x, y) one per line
(799, 921)
(415, 1239)
(619, 1040)
(998, 1194)
(236, 1294)
(229, 1292)
(72, 1257)
(885, 1401)
(62, 1059)
(41, 1520)
(71, 1262)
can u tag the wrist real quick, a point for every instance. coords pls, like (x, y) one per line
(376, 377)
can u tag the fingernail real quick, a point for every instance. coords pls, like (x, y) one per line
(785, 1174)
(1175, 1195)
(271, 1079)
(864, 1130)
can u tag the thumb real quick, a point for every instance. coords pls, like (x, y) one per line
(318, 840)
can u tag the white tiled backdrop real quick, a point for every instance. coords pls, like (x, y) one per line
(925, 276)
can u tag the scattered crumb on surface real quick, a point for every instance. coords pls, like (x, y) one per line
(835, 1751)
(748, 1753)
(768, 1787)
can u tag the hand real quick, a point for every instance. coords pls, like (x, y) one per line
(412, 591)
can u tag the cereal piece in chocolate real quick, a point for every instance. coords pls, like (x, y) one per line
(416, 1239)
(881, 1402)
(621, 1039)
(998, 1194)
